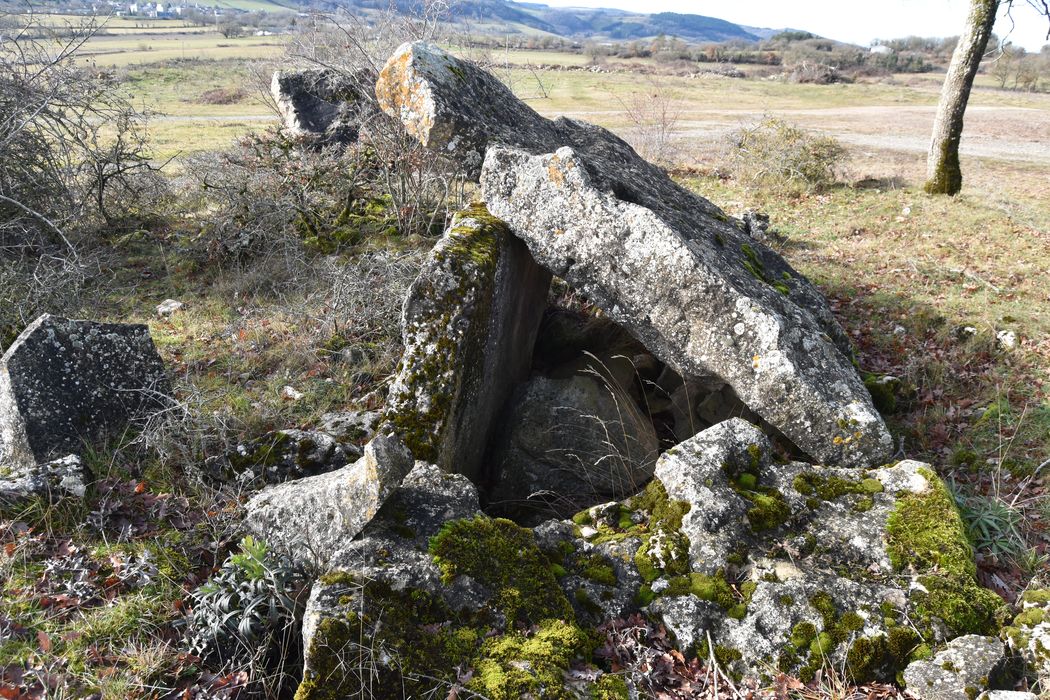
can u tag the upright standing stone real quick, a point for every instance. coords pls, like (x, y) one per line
(64, 383)
(469, 326)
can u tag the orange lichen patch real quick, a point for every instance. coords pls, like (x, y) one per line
(401, 95)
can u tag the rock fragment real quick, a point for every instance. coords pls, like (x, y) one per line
(310, 519)
(66, 383)
(969, 666)
(55, 479)
(326, 104)
(568, 444)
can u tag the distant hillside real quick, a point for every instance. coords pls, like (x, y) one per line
(582, 23)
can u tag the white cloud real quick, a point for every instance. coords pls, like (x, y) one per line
(856, 22)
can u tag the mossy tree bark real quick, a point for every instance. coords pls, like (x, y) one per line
(943, 174)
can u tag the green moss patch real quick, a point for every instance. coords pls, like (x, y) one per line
(503, 557)
(413, 644)
(926, 536)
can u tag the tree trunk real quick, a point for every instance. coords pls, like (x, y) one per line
(943, 175)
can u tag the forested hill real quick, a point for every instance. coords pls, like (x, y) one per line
(588, 23)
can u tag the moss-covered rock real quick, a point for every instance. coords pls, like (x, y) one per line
(504, 558)
(1029, 634)
(469, 324)
(926, 537)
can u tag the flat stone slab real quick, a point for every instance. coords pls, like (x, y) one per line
(664, 263)
(469, 325)
(64, 383)
(310, 519)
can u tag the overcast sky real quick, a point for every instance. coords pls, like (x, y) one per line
(858, 22)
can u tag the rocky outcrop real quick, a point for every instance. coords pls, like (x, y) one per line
(444, 596)
(862, 570)
(785, 565)
(664, 263)
(64, 383)
(969, 666)
(310, 519)
(569, 444)
(324, 104)
(469, 325)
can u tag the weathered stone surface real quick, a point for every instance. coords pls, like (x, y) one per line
(568, 444)
(283, 455)
(64, 383)
(59, 478)
(967, 667)
(310, 519)
(442, 597)
(469, 325)
(664, 263)
(349, 427)
(392, 548)
(1029, 633)
(696, 294)
(790, 565)
(324, 103)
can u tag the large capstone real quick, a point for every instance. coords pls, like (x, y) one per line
(325, 104)
(469, 325)
(66, 383)
(310, 519)
(664, 263)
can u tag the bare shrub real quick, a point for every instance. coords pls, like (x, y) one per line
(654, 115)
(776, 154)
(815, 74)
(272, 190)
(72, 145)
(31, 285)
(222, 96)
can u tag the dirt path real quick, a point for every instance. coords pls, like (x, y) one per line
(1002, 133)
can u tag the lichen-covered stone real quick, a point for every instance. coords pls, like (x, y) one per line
(452, 107)
(469, 325)
(441, 594)
(310, 519)
(790, 566)
(393, 547)
(325, 104)
(64, 383)
(666, 264)
(349, 428)
(283, 455)
(1029, 634)
(568, 444)
(58, 478)
(707, 308)
(969, 666)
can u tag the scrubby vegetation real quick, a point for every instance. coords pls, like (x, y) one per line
(293, 263)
